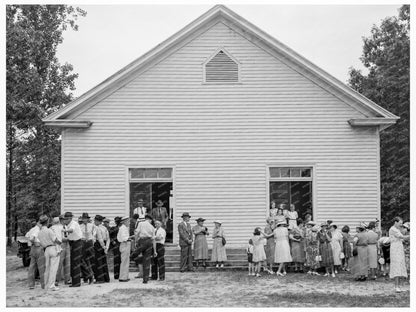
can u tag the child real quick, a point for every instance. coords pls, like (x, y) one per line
(259, 254)
(250, 258)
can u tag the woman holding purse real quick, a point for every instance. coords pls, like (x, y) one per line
(219, 254)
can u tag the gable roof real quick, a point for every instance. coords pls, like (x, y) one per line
(375, 114)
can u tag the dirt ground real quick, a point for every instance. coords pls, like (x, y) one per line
(208, 289)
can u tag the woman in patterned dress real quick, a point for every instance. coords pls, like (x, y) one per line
(270, 245)
(325, 249)
(398, 269)
(219, 254)
(297, 245)
(359, 267)
(200, 244)
(312, 248)
(336, 245)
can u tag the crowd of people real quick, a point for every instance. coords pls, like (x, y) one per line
(67, 251)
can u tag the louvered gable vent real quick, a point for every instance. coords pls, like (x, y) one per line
(221, 68)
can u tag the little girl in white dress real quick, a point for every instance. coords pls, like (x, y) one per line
(259, 255)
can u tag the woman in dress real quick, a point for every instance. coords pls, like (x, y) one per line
(200, 244)
(397, 260)
(336, 245)
(346, 247)
(297, 245)
(258, 251)
(282, 248)
(270, 245)
(312, 248)
(292, 217)
(384, 247)
(219, 254)
(325, 249)
(372, 250)
(280, 217)
(359, 267)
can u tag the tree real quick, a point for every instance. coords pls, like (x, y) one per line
(386, 55)
(36, 85)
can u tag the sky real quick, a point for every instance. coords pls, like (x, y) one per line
(112, 36)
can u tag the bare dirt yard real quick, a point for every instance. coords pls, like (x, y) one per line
(208, 289)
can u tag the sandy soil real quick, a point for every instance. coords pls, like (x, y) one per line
(219, 289)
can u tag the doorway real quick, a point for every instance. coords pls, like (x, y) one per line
(151, 192)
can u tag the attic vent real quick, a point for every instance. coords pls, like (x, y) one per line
(221, 68)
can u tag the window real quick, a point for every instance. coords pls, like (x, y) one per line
(221, 68)
(150, 173)
(292, 185)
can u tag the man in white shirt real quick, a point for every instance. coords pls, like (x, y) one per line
(74, 235)
(158, 264)
(64, 269)
(37, 257)
(88, 257)
(144, 235)
(140, 210)
(125, 240)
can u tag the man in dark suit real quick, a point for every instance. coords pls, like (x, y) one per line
(185, 241)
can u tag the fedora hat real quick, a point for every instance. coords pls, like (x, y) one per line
(43, 218)
(159, 202)
(324, 224)
(98, 218)
(85, 215)
(117, 220)
(282, 223)
(185, 214)
(219, 222)
(333, 225)
(68, 215)
(200, 220)
(106, 220)
(311, 223)
(124, 218)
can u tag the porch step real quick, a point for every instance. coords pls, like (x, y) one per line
(236, 260)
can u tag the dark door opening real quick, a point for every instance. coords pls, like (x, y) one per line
(151, 192)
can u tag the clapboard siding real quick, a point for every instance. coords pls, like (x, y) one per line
(220, 138)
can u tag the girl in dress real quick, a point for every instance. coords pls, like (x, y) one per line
(282, 248)
(258, 251)
(279, 216)
(336, 245)
(292, 217)
(325, 249)
(312, 248)
(398, 269)
(273, 209)
(346, 246)
(270, 245)
(297, 245)
(219, 254)
(200, 244)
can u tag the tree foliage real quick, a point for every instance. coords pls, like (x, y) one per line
(36, 85)
(386, 55)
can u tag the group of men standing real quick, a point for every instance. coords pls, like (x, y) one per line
(73, 251)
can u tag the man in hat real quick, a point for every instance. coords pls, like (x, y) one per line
(124, 239)
(88, 234)
(37, 256)
(145, 238)
(72, 231)
(100, 267)
(106, 224)
(158, 265)
(58, 228)
(185, 242)
(115, 246)
(160, 213)
(140, 210)
(49, 242)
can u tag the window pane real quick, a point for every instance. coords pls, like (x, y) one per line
(279, 193)
(306, 173)
(165, 173)
(274, 172)
(136, 173)
(284, 172)
(150, 173)
(294, 172)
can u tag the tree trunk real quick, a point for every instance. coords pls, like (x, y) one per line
(10, 188)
